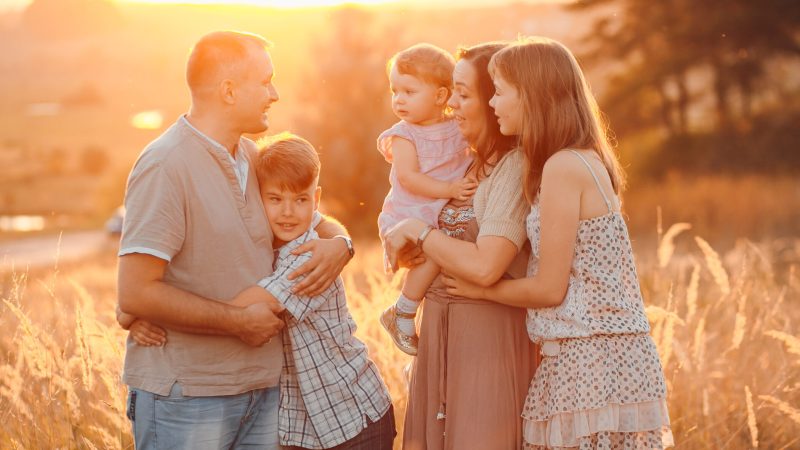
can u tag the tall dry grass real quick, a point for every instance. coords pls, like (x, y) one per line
(726, 327)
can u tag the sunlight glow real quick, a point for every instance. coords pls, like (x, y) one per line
(147, 120)
(21, 223)
(271, 3)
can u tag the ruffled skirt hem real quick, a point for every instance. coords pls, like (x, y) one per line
(642, 425)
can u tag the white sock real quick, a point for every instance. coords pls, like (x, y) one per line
(408, 306)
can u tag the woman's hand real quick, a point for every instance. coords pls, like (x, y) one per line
(328, 258)
(397, 241)
(147, 334)
(463, 288)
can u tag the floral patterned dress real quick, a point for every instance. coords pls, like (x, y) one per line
(600, 384)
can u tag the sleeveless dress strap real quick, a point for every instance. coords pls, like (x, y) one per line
(596, 181)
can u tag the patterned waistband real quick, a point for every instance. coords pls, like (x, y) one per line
(552, 347)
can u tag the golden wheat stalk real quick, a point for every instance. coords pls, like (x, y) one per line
(84, 350)
(656, 314)
(85, 300)
(88, 443)
(699, 346)
(19, 282)
(666, 248)
(24, 321)
(667, 340)
(106, 437)
(739, 323)
(714, 265)
(751, 417)
(785, 408)
(691, 292)
(792, 343)
(12, 387)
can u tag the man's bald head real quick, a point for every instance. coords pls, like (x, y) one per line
(220, 55)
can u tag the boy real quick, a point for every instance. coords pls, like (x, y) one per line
(331, 393)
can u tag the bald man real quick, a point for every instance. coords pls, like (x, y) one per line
(195, 234)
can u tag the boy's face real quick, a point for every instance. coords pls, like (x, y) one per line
(289, 213)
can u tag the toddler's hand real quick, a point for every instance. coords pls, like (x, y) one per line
(147, 334)
(463, 189)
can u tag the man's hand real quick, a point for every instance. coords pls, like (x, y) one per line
(147, 334)
(328, 258)
(257, 324)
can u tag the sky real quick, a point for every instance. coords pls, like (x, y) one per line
(6, 5)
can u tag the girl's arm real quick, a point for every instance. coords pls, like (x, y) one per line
(560, 203)
(406, 165)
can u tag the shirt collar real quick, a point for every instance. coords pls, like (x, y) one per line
(240, 164)
(212, 141)
(288, 247)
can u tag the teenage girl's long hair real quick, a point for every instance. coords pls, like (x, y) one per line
(495, 145)
(559, 110)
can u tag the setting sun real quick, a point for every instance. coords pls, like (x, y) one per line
(270, 3)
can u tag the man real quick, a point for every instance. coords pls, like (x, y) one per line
(195, 235)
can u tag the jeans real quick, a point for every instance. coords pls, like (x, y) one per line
(248, 420)
(376, 436)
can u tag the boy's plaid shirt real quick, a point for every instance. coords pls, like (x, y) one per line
(329, 386)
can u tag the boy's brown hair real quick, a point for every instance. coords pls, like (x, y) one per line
(289, 161)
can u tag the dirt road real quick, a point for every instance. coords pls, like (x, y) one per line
(44, 251)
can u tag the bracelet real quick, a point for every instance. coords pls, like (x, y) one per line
(423, 235)
(348, 242)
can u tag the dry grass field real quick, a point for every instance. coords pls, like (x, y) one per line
(726, 325)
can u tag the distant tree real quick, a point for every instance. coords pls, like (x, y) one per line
(660, 42)
(70, 18)
(347, 94)
(94, 160)
(86, 95)
(56, 161)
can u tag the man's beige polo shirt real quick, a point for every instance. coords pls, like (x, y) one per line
(185, 204)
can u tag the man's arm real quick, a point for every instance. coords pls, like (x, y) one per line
(144, 294)
(329, 256)
(329, 227)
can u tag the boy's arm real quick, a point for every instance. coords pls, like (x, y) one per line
(278, 287)
(406, 165)
(329, 255)
(124, 320)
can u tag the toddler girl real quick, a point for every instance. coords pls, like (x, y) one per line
(429, 158)
(600, 383)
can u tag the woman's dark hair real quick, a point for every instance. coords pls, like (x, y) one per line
(495, 144)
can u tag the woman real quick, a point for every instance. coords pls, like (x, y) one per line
(474, 361)
(601, 384)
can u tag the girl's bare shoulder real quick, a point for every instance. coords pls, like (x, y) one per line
(564, 164)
